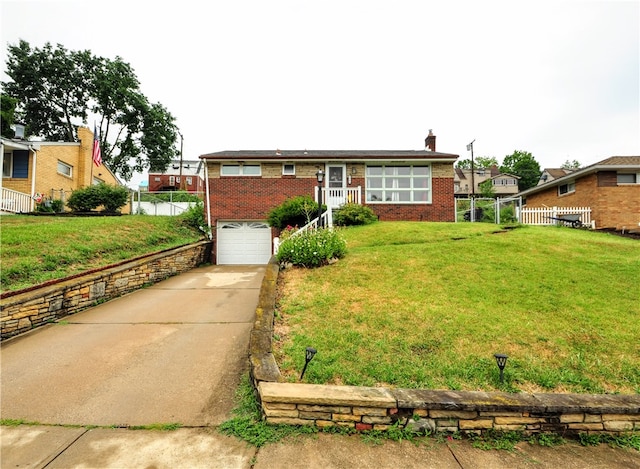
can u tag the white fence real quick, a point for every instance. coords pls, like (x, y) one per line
(16, 202)
(162, 203)
(553, 215)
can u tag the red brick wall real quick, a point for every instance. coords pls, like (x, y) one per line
(611, 206)
(251, 198)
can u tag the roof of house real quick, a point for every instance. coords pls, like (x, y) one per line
(610, 164)
(324, 155)
(557, 172)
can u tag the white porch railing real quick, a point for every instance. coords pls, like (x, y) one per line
(16, 202)
(549, 215)
(335, 197)
(327, 222)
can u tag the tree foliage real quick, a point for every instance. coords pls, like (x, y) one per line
(481, 162)
(524, 165)
(57, 90)
(575, 164)
(7, 115)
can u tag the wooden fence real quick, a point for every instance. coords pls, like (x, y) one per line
(550, 215)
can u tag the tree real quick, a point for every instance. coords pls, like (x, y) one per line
(523, 165)
(575, 164)
(481, 162)
(57, 90)
(7, 111)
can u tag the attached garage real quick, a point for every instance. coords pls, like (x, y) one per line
(243, 242)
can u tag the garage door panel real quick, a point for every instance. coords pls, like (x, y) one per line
(243, 242)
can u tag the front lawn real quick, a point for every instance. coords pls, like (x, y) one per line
(426, 305)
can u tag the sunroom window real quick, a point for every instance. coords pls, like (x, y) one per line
(398, 184)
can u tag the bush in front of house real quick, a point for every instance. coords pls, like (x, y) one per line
(296, 211)
(312, 248)
(354, 214)
(112, 198)
(194, 218)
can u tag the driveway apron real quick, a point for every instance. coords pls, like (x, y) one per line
(170, 353)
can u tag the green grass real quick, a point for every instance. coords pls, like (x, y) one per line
(38, 249)
(426, 305)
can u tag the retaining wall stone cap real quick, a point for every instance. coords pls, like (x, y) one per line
(326, 395)
(464, 400)
(590, 403)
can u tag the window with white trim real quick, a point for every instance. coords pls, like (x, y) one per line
(288, 169)
(628, 178)
(567, 188)
(398, 184)
(240, 170)
(189, 180)
(65, 169)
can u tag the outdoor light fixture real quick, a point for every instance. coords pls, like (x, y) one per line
(320, 177)
(308, 356)
(501, 360)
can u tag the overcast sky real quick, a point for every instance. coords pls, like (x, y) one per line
(559, 79)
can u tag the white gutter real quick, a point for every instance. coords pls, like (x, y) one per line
(206, 182)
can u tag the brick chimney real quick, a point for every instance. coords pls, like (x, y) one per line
(430, 141)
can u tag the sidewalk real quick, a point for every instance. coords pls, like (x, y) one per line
(175, 352)
(64, 447)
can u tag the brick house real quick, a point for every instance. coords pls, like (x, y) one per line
(52, 169)
(180, 175)
(504, 185)
(243, 186)
(611, 188)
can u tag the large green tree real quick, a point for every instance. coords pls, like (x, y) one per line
(481, 162)
(7, 115)
(57, 90)
(524, 165)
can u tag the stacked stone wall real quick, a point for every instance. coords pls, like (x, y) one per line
(30, 308)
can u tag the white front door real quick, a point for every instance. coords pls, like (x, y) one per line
(335, 186)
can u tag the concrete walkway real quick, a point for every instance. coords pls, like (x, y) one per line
(174, 353)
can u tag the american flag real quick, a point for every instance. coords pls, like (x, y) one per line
(97, 155)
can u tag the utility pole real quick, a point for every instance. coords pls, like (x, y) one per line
(473, 183)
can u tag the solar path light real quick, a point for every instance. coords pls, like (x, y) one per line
(308, 356)
(501, 360)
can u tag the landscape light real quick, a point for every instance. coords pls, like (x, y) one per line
(501, 360)
(308, 356)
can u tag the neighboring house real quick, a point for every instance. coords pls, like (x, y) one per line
(245, 185)
(549, 174)
(504, 185)
(51, 169)
(611, 188)
(188, 178)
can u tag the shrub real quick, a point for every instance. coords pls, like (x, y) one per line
(296, 211)
(194, 218)
(312, 248)
(111, 198)
(354, 214)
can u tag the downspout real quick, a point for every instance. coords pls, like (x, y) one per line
(206, 182)
(33, 177)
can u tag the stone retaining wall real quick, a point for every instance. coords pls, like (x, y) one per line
(30, 308)
(366, 408)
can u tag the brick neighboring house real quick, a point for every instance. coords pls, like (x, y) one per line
(504, 185)
(188, 178)
(611, 188)
(53, 169)
(245, 185)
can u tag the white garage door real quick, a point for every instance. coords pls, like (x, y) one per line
(243, 242)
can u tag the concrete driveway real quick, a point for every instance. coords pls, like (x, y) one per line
(173, 352)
